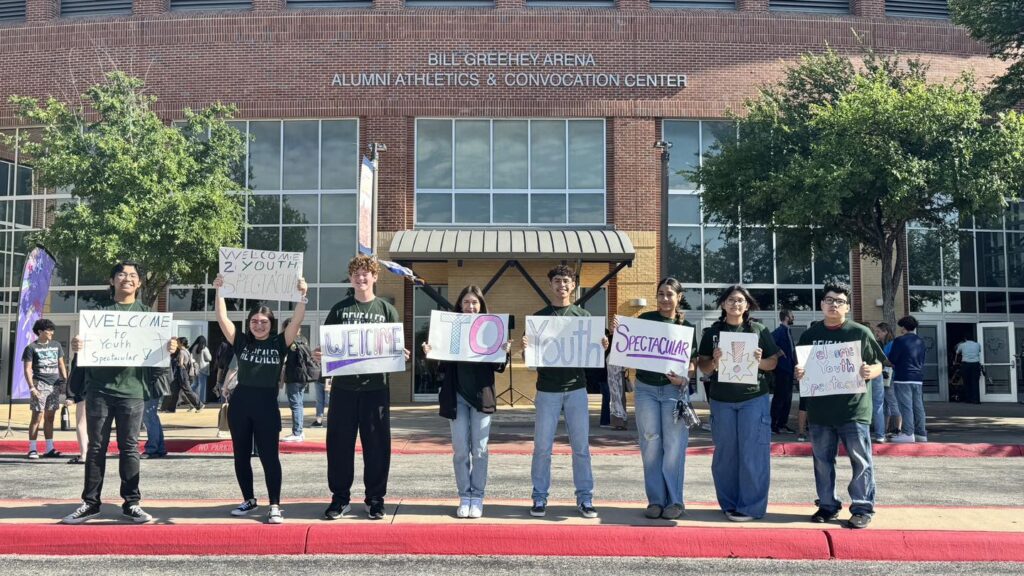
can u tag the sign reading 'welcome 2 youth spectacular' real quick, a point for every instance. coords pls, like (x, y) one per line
(467, 337)
(654, 346)
(362, 349)
(830, 369)
(261, 274)
(112, 338)
(565, 341)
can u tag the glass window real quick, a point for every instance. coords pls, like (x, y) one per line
(338, 208)
(434, 154)
(925, 301)
(547, 154)
(765, 298)
(304, 239)
(301, 143)
(992, 302)
(186, 300)
(684, 253)
(792, 260)
(683, 209)
(757, 258)
(300, 208)
(1015, 259)
(331, 296)
(434, 208)
(923, 254)
(832, 263)
(472, 208)
(991, 259)
(685, 153)
(793, 299)
(721, 257)
(263, 238)
(586, 154)
(238, 168)
(586, 208)
(339, 161)
(713, 131)
(511, 208)
(92, 299)
(337, 247)
(265, 155)
(958, 261)
(61, 301)
(472, 155)
(264, 209)
(966, 302)
(1014, 216)
(511, 155)
(1017, 307)
(547, 208)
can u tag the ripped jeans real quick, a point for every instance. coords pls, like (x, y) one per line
(662, 442)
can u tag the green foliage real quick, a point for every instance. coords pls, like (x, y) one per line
(160, 195)
(1000, 23)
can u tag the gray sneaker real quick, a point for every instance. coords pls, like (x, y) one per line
(587, 510)
(83, 513)
(653, 511)
(673, 511)
(136, 514)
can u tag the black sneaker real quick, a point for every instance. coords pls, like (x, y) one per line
(822, 516)
(375, 510)
(245, 507)
(540, 508)
(859, 521)
(136, 514)
(53, 453)
(317, 424)
(587, 510)
(337, 509)
(83, 513)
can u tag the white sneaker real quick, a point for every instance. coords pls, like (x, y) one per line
(903, 439)
(476, 508)
(223, 434)
(275, 516)
(294, 438)
(463, 510)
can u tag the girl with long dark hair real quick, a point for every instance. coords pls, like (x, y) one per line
(202, 357)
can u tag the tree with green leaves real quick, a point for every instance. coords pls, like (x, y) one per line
(840, 154)
(1000, 24)
(160, 195)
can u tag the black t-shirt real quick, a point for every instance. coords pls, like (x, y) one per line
(260, 361)
(352, 311)
(45, 359)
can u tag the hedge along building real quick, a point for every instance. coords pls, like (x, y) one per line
(515, 131)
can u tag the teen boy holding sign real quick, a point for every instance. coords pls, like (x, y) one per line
(842, 417)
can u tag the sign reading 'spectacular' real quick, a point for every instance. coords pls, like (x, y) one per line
(261, 274)
(565, 341)
(830, 369)
(362, 349)
(654, 346)
(467, 337)
(113, 338)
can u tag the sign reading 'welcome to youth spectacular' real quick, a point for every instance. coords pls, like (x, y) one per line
(348, 349)
(830, 369)
(467, 337)
(114, 338)
(565, 341)
(654, 346)
(261, 274)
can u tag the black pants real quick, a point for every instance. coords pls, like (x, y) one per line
(367, 413)
(253, 415)
(102, 412)
(782, 401)
(971, 373)
(179, 389)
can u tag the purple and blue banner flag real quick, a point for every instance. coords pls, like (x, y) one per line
(35, 286)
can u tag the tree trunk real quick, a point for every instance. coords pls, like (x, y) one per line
(892, 276)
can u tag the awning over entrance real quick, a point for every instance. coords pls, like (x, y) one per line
(578, 245)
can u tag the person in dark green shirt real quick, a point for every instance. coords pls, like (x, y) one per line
(561, 389)
(253, 415)
(740, 413)
(467, 399)
(842, 417)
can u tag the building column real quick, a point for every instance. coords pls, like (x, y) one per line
(509, 4)
(41, 10)
(268, 5)
(633, 4)
(150, 7)
(751, 5)
(868, 8)
(388, 4)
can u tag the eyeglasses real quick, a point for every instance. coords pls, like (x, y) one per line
(737, 301)
(129, 275)
(257, 322)
(837, 301)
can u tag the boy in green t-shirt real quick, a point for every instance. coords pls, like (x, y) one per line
(842, 417)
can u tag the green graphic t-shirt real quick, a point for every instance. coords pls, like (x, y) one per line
(119, 381)
(842, 408)
(728, 391)
(260, 361)
(654, 378)
(561, 379)
(352, 311)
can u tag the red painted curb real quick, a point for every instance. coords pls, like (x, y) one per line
(927, 546)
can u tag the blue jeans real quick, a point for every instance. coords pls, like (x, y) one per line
(892, 406)
(470, 431)
(741, 465)
(662, 442)
(878, 408)
(296, 392)
(577, 421)
(199, 387)
(825, 446)
(911, 400)
(321, 397)
(154, 429)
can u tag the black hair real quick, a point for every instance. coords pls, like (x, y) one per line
(476, 292)
(785, 313)
(199, 345)
(265, 311)
(677, 287)
(908, 323)
(562, 270)
(751, 304)
(837, 288)
(43, 324)
(120, 266)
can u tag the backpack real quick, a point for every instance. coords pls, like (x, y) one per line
(300, 366)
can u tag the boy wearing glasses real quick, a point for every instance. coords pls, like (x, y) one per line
(842, 418)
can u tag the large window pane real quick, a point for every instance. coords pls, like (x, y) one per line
(265, 156)
(586, 208)
(547, 208)
(832, 263)
(339, 163)
(304, 239)
(714, 131)
(792, 299)
(792, 261)
(300, 208)
(991, 259)
(434, 208)
(685, 157)
(959, 261)
(301, 148)
(1014, 217)
(263, 239)
(923, 256)
(547, 154)
(586, 154)
(434, 154)
(62, 302)
(757, 257)
(683, 209)
(721, 257)
(684, 253)
(925, 301)
(511, 154)
(264, 209)
(338, 208)
(472, 154)
(1015, 259)
(238, 168)
(472, 208)
(337, 247)
(511, 208)
(966, 302)
(992, 302)
(186, 300)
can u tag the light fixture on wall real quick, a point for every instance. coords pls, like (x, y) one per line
(638, 302)
(879, 302)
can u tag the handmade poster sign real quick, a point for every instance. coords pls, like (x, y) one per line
(362, 349)
(654, 346)
(113, 338)
(467, 337)
(565, 341)
(261, 274)
(737, 364)
(830, 369)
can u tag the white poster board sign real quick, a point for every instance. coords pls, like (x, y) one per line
(467, 337)
(565, 341)
(116, 338)
(737, 364)
(654, 346)
(830, 369)
(362, 349)
(261, 274)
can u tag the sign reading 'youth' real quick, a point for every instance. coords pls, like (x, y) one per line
(654, 346)
(565, 341)
(112, 338)
(362, 349)
(261, 274)
(467, 337)
(830, 369)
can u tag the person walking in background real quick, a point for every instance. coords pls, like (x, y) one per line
(907, 356)
(182, 372)
(44, 371)
(968, 354)
(782, 400)
(300, 371)
(155, 447)
(203, 359)
(323, 396)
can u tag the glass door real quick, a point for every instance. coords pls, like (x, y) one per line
(999, 361)
(934, 387)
